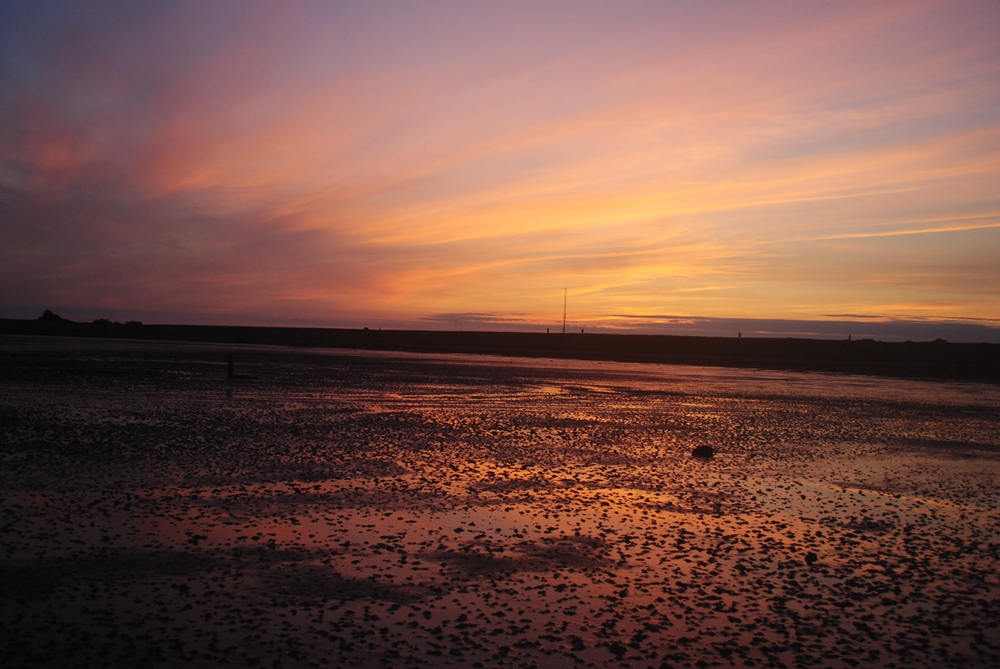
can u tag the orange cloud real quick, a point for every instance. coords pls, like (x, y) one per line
(779, 161)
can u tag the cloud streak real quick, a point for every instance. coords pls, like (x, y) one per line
(334, 163)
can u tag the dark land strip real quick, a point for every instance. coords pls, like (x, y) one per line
(934, 360)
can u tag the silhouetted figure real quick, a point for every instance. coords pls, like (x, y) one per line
(231, 360)
(739, 335)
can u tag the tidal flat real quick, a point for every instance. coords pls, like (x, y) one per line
(393, 510)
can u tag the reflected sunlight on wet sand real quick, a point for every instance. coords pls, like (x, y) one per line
(391, 510)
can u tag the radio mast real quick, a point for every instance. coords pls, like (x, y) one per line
(564, 310)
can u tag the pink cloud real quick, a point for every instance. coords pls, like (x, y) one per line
(335, 159)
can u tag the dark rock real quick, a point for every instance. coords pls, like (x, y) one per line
(704, 452)
(811, 557)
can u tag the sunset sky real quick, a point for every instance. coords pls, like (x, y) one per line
(775, 167)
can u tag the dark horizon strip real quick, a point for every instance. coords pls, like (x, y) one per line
(926, 360)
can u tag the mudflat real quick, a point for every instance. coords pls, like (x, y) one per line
(375, 509)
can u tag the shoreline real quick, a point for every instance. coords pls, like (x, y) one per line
(926, 360)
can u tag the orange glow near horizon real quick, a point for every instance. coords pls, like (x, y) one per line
(334, 164)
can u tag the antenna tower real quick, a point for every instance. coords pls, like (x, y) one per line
(564, 310)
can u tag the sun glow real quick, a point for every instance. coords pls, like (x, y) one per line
(328, 165)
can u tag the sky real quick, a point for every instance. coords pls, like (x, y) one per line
(775, 168)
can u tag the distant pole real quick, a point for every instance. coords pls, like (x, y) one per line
(459, 325)
(564, 310)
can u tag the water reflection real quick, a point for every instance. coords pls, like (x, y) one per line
(384, 509)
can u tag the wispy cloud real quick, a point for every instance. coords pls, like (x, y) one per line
(916, 231)
(326, 162)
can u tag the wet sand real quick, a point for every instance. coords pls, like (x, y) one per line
(390, 510)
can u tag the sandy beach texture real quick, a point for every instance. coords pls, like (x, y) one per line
(394, 510)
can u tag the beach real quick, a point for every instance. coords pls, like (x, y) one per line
(339, 507)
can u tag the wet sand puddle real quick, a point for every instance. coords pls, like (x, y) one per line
(380, 513)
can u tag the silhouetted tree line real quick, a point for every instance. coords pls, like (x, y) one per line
(51, 317)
